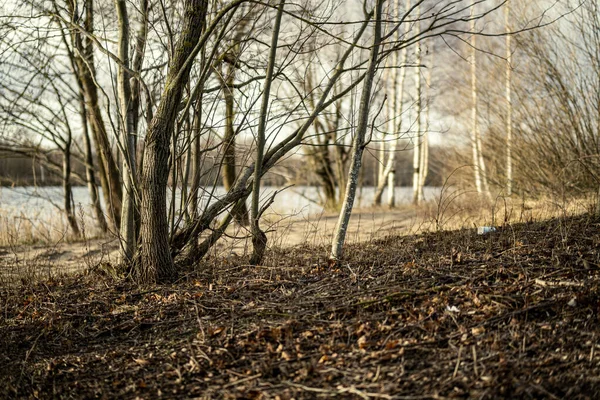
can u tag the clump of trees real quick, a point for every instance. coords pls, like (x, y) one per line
(155, 97)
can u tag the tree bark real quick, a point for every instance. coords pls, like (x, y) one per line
(509, 178)
(126, 124)
(89, 169)
(424, 157)
(259, 239)
(84, 59)
(358, 143)
(229, 153)
(417, 143)
(156, 263)
(67, 189)
(481, 183)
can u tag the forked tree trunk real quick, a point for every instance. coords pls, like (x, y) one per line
(259, 239)
(155, 262)
(358, 143)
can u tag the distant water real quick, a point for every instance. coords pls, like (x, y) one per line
(44, 204)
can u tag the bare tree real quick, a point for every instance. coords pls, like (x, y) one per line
(156, 262)
(417, 140)
(509, 122)
(358, 142)
(481, 182)
(259, 239)
(388, 176)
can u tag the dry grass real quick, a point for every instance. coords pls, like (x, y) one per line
(31, 250)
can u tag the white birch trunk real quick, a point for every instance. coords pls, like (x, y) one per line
(399, 107)
(399, 75)
(358, 143)
(424, 162)
(509, 177)
(417, 141)
(481, 184)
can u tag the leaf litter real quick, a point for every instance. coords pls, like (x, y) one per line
(510, 314)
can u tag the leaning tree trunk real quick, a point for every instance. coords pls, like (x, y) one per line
(259, 239)
(358, 144)
(155, 262)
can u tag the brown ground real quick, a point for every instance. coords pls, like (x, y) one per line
(512, 314)
(46, 260)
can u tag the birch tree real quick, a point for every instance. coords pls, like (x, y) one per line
(417, 196)
(509, 178)
(481, 183)
(358, 142)
(424, 156)
(388, 176)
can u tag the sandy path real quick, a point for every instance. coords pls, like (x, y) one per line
(283, 231)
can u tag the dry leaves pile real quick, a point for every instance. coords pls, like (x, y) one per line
(511, 314)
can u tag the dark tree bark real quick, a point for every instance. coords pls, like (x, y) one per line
(68, 192)
(229, 153)
(84, 61)
(156, 263)
(89, 169)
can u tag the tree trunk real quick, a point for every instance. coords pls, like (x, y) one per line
(259, 239)
(424, 161)
(417, 144)
(509, 178)
(84, 59)
(358, 143)
(127, 230)
(156, 263)
(398, 95)
(196, 160)
(229, 153)
(481, 184)
(67, 190)
(89, 169)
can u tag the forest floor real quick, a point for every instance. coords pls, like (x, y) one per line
(509, 314)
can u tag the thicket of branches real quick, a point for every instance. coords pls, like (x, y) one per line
(165, 101)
